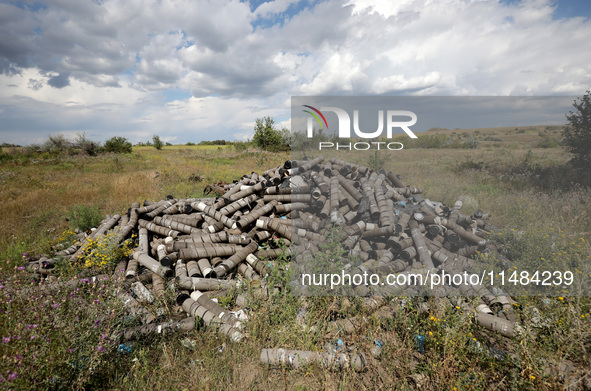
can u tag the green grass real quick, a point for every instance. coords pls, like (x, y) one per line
(533, 193)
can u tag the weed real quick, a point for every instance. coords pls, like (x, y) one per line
(84, 217)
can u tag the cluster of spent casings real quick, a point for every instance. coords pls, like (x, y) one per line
(386, 227)
(199, 246)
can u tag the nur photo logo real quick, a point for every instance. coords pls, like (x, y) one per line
(390, 117)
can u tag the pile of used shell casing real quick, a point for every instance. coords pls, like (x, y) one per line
(199, 246)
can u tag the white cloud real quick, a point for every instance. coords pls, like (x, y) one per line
(111, 63)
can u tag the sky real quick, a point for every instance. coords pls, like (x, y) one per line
(193, 70)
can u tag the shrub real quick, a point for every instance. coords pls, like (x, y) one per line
(84, 217)
(104, 251)
(118, 144)
(547, 142)
(156, 142)
(89, 147)
(470, 143)
(240, 146)
(56, 144)
(267, 137)
(577, 136)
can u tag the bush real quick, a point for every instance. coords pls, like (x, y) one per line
(118, 144)
(547, 142)
(84, 217)
(156, 142)
(267, 137)
(189, 144)
(56, 144)
(89, 147)
(577, 136)
(240, 146)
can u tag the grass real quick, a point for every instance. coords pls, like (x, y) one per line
(540, 206)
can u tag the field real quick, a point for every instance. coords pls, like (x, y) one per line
(540, 205)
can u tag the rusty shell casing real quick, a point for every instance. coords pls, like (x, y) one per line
(282, 230)
(402, 222)
(152, 264)
(204, 284)
(258, 265)
(213, 213)
(285, 208)
(142, 293)
(180, 269)
(382, 205)
(127, 228)
(143, 240)
(165, 205)
(139, 332)
(163, 231)
(193, 269)
(399, 245)
(132, 267)
(194, 219)
(288, 198)
(211, 225)
(158, 285)
(174, 225)
(396, 182)
(466, 235)
(379, 232)
(148, 207)
(232, 208)
(244, 269)
(299, 358)
(420, 245)
(248, 191)
(499, 325)
(311, 163)
(206, 268)
(199, 311)
(248, 219)
(208, 250)
(228, 264)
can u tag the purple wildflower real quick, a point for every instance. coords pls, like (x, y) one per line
(12, 376)
(55, 305)
(5, 339)
(101, 348)
(20, 268)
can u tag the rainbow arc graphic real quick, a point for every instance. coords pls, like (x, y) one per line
(314, 110)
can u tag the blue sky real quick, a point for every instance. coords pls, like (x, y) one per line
(194, 70)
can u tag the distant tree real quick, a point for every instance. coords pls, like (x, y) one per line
(156, 142)
(577, 136)
(117, 144)
(266, 136)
